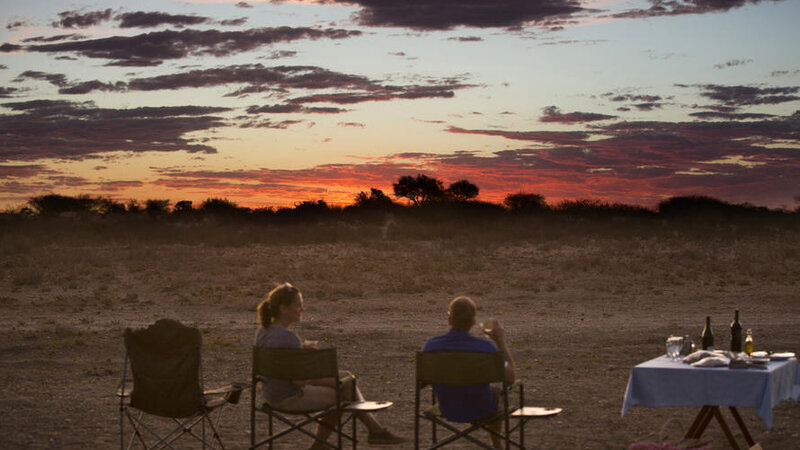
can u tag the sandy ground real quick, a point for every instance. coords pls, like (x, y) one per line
(579, 315)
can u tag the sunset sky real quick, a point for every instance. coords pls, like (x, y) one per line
(276, 102)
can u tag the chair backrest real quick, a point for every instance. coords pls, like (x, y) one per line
(459, 368)
(165, 362)
(294, 363)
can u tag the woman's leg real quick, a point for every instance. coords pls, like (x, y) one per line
(368, 419)
(314, 398)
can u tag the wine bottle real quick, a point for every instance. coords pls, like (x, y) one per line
(736, 333)
(748, 342)
(707, 336)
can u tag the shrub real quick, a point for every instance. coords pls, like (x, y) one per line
(525, 202)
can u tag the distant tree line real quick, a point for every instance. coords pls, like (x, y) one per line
(421, 191)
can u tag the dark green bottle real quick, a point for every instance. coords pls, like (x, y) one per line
(707, 336)
(736, 333)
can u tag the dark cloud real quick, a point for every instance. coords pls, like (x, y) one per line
(134, 62)
(279, 54)
(733, 63)
(737, 96)
(705, 115)
(141, 19)
(351, 124)
(784, 73)
(243, 5)
(548, 137)
(255, 75)
(258, 78)
(680, 7)
(631, 98)
(22, 171)
(553, 114)
(57, 79)
(62, 129)
(119, 185)
(282, 125)
(170, 44)
(293, 109)
(3, 67)
(8, 48)
(448, 14)
(233, 22)
(78, 19)
(466, 39)
(58, 37)
(67, 87)
(642, 102)
(6, 92)
(13, 25)
(646, 106)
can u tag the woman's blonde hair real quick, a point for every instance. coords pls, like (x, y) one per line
(283, 295)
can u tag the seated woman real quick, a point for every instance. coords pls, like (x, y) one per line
(282, 308)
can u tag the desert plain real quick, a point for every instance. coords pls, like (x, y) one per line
(581, 307)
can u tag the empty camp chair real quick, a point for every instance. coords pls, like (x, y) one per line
(465, 369)
(303, 364)
(164, 399)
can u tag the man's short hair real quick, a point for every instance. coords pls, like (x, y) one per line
(462, 313)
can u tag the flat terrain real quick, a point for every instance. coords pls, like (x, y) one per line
(580, 312)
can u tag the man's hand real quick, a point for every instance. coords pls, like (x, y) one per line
(494, 329)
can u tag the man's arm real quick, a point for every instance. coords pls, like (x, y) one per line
(498, 334)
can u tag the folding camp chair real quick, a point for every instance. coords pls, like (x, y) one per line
(166, 382)
(304, 364)
(466, 369)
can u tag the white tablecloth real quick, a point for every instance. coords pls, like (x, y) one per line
(661, 382)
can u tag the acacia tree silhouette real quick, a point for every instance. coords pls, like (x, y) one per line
(419, 189)
(525, 202)
(462, 190)
(373, 199)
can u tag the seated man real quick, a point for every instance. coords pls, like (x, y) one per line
(470, 403)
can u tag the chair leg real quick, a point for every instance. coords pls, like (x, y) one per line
(522, 419)
(269, 421)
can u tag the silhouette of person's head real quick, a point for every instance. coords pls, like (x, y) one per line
(461, 313)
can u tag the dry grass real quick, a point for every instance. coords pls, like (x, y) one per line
(580, 310)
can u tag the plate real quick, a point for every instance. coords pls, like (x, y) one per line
(781, 356)
(760, 354)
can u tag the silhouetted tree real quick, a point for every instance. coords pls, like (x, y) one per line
(374, 199)
(220, 206)
(133, 206)
(525, 202)
(311, 206)
(182, 207)
(156, 207)
(53, 204)
(419, 189)
(104, 205)
(694, 204)
(462, 190)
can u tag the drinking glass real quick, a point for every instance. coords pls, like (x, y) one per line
(674, 345)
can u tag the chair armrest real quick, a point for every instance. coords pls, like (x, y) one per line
(232, 391)
(128, 385)
(346, 379)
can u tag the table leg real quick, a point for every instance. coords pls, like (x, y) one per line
(725, 428)
(695, 431)
(742, 426)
